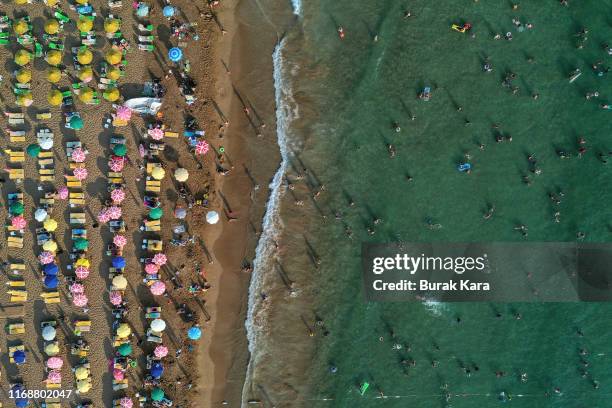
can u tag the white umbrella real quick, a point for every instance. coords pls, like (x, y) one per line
(212, 217)
(158, 325)
(45, 143)
(40, 214)
(181, 175)
(48, 333)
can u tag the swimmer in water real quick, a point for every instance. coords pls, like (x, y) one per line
(341, 32)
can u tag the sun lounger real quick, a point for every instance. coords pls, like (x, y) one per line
(15, 242)
(13, 349)
(77, 218)
(152, 225)
(15, 328)
(51, 403)
(79, 233)
(50, 297)
(17, 268)
(16, 136)
(16, 174)
(120, 385)
(72, 181)
(81, 326)
(76, 199)
(43, 116)
(17, 295)
(79, 350)
(117, 226)
(15, 156)
(170, 134)
(154, 245)
(16, 283)
(153, 186)
(153, 313)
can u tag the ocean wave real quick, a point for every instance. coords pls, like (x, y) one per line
(435, 307)
(297, 7)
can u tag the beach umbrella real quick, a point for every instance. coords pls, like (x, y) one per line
(157, 394)
(117, 195)
(116, 165)
(212, 217)
(118, 262)
(78, 155)
(156, 133)
(51, 281)
(76, 122)
(84, 24)
(124, 113)
(120, 282)
(103, 215)
(33, 150)
(19, 222)
(175, 54)
(52, 349)
(54, 75)
(81, 373)
(21, 402)
(157, 370)
(50, 224)
(158, 288)
(50, 245)
(82, 262)
(80, 173)
(22, 57)
(81, 272)
(40, 214)
(168, 11)
(158, 325)
(51, 269)
(125, 349)
(113, 73)
(24, 99)
(113, 56)
(115, 298)
(114, 212)
(83, 386)
(111, 25)
(126, 402)
(119, 241)
(118, 374)
(80, 300)
(19, 356)
(16, 208)
(46, 258)
(86, 74)
(120, 150)
(111, 94)
(54, 57)
(21, 27)
(21, 2)
(160, 351)
(52, 26)
(158, 173)
(160, 259)
(84, 56)
(46, 142)
(76, 288)
(180, 213)
(48, 333)
(151, 269)
(55, 97)
(55, 363)
(181, 175)
(24, 75)
(156, 213)
(201, 147)
(81, 244)
(54, 377)
(86, 95)
(123, 331)
(194, 333)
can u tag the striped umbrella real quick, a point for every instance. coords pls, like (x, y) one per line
(202, 147)
(78, 155)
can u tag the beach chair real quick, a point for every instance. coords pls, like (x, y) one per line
(50, 297)
(16, 174)
(15, 328)
(115, 177)
(48, 201)
(15, 156)
(153, 186)
(152, 225)
(77, 218)
(120, 384)
(43, 116)
(13, 349)
(116, 226)
(72, 181)
(16, 283)
(153, 245)
(15, 242)
(16, 136)
(76, 199)
(172, 135)
(15, 118)
(51, 403)
(17, 269)
(81, 326)
(79, 233)
(79, 349)
(153, 312)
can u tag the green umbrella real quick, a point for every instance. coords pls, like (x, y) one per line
(16, 208)
(125, 349)
(120, 150)
(157, 394)
(76, 122)
(156, 213)
(81, 244)
(33, 150)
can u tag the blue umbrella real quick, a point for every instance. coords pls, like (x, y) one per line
(194, 333)
(51, 281)
(19, 357)
(21, 402)
(118, 262)
(168, 11)
(175, 54)
(157, 370)
(50, 269)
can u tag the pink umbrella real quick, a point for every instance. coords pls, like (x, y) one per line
(126, 402)
(119, 241)
(80, 300)
(77, 288)
(124, 113)
(156, 133)
(62, 193)
(19, 222)
(160, 351)
(160, 259)
(81, 272)
(151, 268)
(55, 363)
(46, 257)
(117, 195)
(116, 163)
(80, 173)
(104, 216)
(158, 288)
(201, 147)
(115, 298)
(114, 212)
(78, 155)
(54, 377)
(118, 374)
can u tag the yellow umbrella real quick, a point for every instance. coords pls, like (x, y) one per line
(20, 27)
(81, 373)
(50, 224)
(123, 331)
(50, 3)
(25, 99)
(114, 56)
(113, 73)
(111, 25)
(111, 95)
(120, 282)
(86, 74)
(50, 246)
(81, 2)
(54, 98)
(181, 175)
(52, 26)
(84, 25)
(22, 57)
(84, 56)
(52, 349)
(86, 95)
(54, 75)
(54, 57)
(20, 2)
(24, 76)
(82, 262)
(158, 173)
(83, 386)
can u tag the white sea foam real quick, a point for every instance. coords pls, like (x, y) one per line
(434, 307)
(297, 7)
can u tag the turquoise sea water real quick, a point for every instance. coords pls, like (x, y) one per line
(352, 94)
